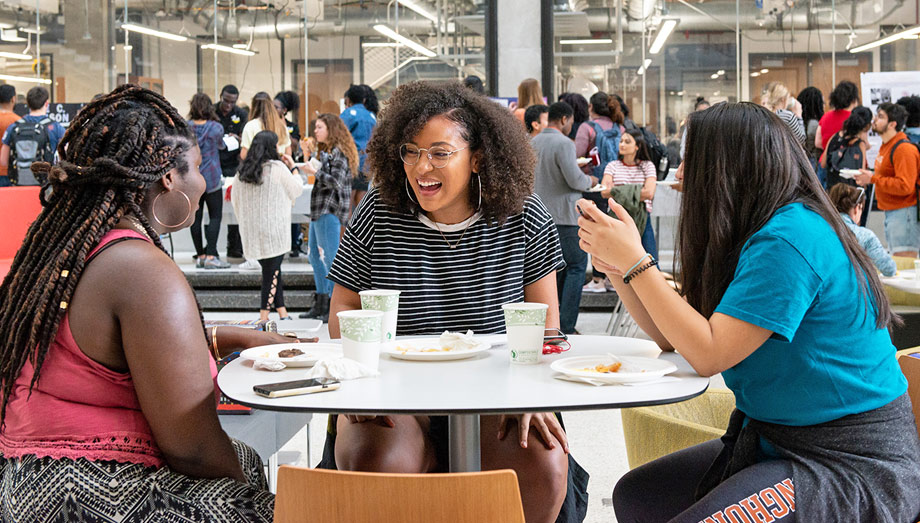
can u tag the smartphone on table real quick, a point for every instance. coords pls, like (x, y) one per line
(296, 387)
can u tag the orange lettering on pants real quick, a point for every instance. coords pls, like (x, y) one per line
(756, 509)
(735, 514)
(788, 492)
(772, 497)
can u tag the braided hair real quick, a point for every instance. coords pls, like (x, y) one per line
(115, 149)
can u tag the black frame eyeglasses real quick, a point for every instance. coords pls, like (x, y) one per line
(438, 156)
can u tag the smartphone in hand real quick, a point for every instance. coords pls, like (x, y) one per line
(295, 388)
(582, 213)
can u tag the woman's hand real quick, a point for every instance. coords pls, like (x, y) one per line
(864, 177)
(548, 429)
(615, 243)
(384, 421)
(306, 168)
(308, 146)
(286, 158)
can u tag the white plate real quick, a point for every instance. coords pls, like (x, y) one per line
(583, 161)
(596, 188)
(849, 174)
(648, 368)
(303, 328)
(415, 346)
(667, 183)
(313, 352)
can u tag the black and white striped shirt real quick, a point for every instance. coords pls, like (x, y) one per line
(443, 288)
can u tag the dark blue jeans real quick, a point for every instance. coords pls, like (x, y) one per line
(648, 238)
(570, 279)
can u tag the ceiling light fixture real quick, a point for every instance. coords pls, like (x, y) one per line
(645, 64)
(153, 32)
(587, 41)
(764, 71)
(11, 35)
(408, 42)
(411, 4)
(755, 74)
(32, 79)
(227, 49)
(887, 40)
(15, 56)
(667, 27)
(714, 76)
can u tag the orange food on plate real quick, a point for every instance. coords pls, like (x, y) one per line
(605, 369)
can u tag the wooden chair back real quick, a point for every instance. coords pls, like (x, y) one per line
(910, 366)
(308, 495)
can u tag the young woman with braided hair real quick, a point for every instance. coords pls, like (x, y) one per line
(104, 364)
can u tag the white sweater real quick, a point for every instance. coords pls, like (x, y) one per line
(264, 211)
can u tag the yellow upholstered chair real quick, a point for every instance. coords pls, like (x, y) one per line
(902, 298)
(307, 495)
(653, 432)
(910, 366)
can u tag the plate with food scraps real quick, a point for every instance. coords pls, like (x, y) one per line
(849, 174)
(620, 369)
(293, 354)
(432, 349)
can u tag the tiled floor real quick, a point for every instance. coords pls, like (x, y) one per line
(595, 437)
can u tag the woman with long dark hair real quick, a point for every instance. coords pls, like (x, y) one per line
(329, 203)
(779, 297)
(580, 106)
(108, 410)
(210, 135)
(635, 167)
(263, 192)
(812, 102)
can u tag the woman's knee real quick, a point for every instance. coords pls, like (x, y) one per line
(370, 447)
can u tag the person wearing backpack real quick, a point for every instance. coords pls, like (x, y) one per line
(602, 133)
(33, 138)
(895, 179)
(847, 150)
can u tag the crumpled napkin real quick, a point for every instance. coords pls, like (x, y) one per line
(459, 340)
(270, 365)
(341, 369)
(600, 383)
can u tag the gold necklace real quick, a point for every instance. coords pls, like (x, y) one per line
(454, 246)
(136, 226)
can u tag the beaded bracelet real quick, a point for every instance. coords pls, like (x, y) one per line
(640, 270)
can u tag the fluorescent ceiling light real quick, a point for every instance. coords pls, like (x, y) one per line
(887, 40)
(667, 26)
(587, 41)
(153, 32)
(228, 49)
(11, 35)
(15, 56)
(32, 79)
(714, 76)
(240, 46)
(408, 42)
(755, 74)
(411, 4)
(764, 71)
(32, 30)
(379, 44)
(645, 64)
(720, 72)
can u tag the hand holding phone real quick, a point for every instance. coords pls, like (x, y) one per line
(295, 388)
(582, 213)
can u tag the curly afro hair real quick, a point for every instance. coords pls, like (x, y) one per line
(507, 161)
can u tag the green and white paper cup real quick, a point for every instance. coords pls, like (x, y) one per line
(361, 336)
(387, 301)
(525, 323)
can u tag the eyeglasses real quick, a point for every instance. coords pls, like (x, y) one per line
(861, 196)
(437, 156)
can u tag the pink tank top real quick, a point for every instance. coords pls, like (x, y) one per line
(79, 408)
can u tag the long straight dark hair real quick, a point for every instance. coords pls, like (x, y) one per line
(264, 148)
(742, 164)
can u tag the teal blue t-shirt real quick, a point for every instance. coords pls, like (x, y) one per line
(826, 359)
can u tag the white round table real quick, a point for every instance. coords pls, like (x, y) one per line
(464, 389)
(904, 280)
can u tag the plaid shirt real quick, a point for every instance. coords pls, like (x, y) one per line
(332, 190)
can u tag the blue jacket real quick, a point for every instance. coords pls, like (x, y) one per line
(873, 247)
(360, 123)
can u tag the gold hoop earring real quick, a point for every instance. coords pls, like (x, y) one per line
(187, 214)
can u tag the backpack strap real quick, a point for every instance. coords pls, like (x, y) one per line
(891, 152)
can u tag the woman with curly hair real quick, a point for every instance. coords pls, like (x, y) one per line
(453, 224)
(329, 203)
(107, 377)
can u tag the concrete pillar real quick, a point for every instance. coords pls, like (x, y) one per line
(518, 42)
